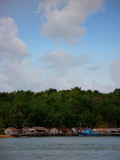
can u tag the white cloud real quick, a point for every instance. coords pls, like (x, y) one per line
(11, 47)
(4, 86)
(65, 81)
(17, 73)
(20, 76)
(61, 60)
(115, 76)
(94, 85)
(115, 72)
(64, 18)
(12, 53)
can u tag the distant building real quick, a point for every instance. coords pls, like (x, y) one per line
(64, 131)
(13, 131)
(34, 131)
(53, 131)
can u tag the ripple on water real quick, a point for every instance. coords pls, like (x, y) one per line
(60, 148)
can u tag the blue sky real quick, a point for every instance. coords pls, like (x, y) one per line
(59, 44)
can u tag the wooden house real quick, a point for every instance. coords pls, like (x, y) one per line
(64, 131)
(53, 131)
(28, 131)
(13, 131)
(34, 131)
(40, 131)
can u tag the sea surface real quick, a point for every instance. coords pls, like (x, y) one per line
(60, 148)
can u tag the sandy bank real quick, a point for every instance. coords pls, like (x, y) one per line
(6, 136)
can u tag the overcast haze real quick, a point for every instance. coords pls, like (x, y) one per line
(59, 44)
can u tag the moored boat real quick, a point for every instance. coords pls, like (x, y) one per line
(89, 132)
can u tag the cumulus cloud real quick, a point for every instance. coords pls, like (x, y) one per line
(12, 54)
(61, 60)
(11, 46)
(17, 73)
(115, 72)
(63, 19)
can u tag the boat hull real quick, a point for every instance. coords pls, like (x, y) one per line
(85, 134)
(88, 132)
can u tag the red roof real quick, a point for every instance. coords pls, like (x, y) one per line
(13, 129)
(40, 128)
(63, 128)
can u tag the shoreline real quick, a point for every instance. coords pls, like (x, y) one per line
(6, 136)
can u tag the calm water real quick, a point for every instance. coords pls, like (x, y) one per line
(60, 148)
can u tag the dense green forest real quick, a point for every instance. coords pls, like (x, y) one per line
(52, 108)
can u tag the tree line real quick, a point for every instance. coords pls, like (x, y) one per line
(52, 108)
